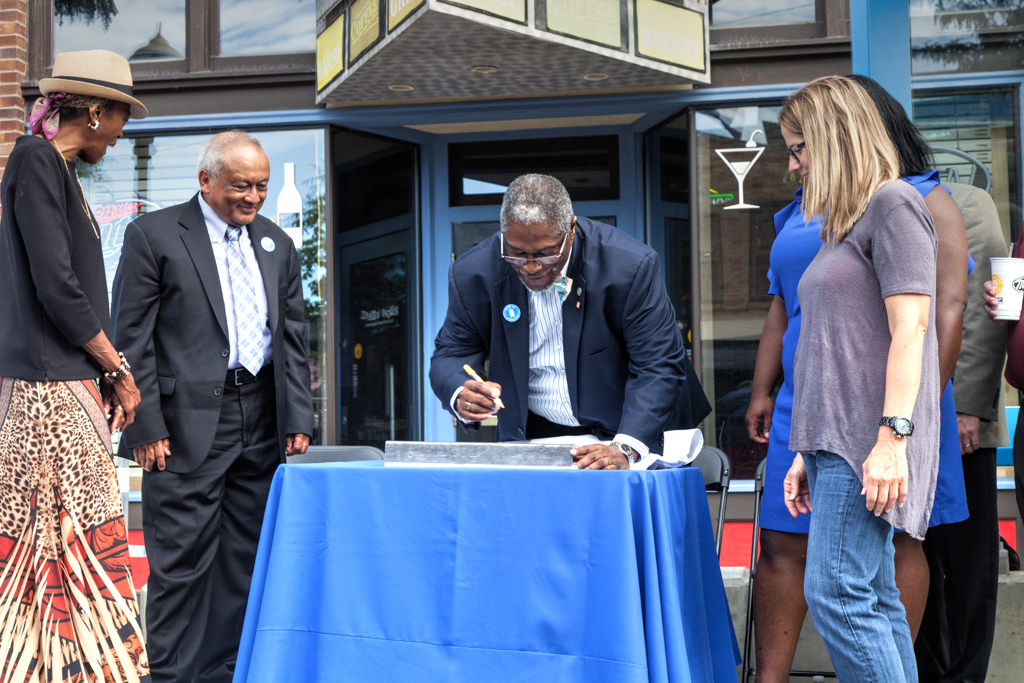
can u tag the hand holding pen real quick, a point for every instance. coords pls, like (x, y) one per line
(478, 399)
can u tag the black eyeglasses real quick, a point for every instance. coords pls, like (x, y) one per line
(540, 260)
(794, 149)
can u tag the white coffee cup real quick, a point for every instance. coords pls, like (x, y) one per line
(1008, 278)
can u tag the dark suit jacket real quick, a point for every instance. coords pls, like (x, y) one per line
(168, 319)
(625, 363)
(53, 291)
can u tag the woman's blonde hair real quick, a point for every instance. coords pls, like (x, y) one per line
(849, 152)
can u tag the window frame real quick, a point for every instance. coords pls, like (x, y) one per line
(202, 50)
(831, 20)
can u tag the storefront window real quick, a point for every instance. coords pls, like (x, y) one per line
(145, 174)
(974, 138)
(956, 36)
(141, 30)
(730, 13)
(250, 27)
(480, 172)
(743, 180)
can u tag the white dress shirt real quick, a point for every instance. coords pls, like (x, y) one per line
(549, 387)
(217, 227)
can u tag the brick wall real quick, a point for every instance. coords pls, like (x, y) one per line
(13, 61)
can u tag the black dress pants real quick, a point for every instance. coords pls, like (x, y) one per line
(202, 529)
(1018, 465)
(958, 628)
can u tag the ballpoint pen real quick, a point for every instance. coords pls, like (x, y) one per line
(472, 373)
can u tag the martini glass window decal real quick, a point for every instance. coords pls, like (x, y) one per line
(740, 160)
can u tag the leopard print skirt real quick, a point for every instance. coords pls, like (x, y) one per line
(67, 604)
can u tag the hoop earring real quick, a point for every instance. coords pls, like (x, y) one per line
(94, 125)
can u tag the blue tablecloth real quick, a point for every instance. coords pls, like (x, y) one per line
(473, 575)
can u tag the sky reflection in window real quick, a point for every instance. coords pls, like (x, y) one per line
(251, 27)
(141, 30)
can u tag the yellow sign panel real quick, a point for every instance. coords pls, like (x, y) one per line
(398, 10)
(330, 59)
(363, 28)
(507, 9)
(670, 34)
(597, 20)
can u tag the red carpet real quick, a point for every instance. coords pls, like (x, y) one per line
(737, 537)
(140, 565)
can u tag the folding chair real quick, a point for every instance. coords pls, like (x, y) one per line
(317, 454)
(714, 464)
(749, 670)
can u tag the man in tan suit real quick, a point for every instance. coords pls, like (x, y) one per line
(956, 635)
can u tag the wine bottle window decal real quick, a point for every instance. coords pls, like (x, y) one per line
(289, 207)
(740, 160)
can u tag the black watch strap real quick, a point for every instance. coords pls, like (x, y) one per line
(902, 426)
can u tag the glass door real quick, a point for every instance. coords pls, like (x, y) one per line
(743, 179)
(378, 309)
(667, 150)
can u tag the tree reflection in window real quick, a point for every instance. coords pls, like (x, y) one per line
(85, 10)
(966, 35)
(139, 30)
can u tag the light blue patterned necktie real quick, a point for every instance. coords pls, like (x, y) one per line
(248, 326)
(562, 287)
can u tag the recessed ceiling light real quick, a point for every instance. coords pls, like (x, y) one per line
(398, 87)
(595, 77)
(484, 69)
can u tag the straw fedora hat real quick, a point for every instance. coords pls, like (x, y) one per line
(99, 73)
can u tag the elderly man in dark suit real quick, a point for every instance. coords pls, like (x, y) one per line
(208, 309)
(581, 335)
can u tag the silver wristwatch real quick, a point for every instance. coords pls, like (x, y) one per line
(626, 450)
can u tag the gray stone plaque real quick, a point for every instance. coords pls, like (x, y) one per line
(513, 454)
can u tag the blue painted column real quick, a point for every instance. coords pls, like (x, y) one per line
(880, 41)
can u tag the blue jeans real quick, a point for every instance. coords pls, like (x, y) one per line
(850, 580)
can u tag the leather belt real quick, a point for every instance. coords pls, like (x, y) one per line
(240, 376)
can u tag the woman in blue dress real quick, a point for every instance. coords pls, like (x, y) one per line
(779, 605)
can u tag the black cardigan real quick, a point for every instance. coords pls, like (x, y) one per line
(53, 289)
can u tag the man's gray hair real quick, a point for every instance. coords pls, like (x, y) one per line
(211, 156)
(535, 198)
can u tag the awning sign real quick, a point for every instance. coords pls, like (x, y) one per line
(670, 34)
(599, 21)
(514, 10)
(364, 27)
(330, 60)
(398, 10)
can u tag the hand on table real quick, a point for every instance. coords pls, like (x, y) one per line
(885, 473)
(476, 401)
(599, 457)
(296, 444)
(796, 489)
(151, 454)
(759, 414)
(968, 426)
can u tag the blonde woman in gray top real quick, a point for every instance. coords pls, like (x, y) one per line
(866, 377)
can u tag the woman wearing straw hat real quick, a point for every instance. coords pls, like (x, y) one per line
(67, 604)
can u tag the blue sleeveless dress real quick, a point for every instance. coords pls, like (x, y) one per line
(796, 244)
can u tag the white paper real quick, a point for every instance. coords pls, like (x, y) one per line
(681, 447)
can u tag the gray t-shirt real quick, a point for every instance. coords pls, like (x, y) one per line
(839, 370)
